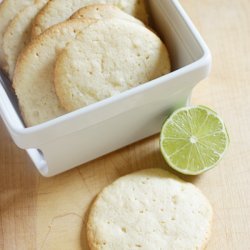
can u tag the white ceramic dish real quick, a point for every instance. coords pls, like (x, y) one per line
(88, 133)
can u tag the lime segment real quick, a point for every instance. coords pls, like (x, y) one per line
(193, 140)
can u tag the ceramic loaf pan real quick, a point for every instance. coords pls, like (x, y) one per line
(83, 135)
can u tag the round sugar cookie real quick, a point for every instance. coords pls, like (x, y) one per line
(99, 11)
(33, 78)
(149, 209)
(114, 55)
(17, 34)
(8, 10)
(64, 9)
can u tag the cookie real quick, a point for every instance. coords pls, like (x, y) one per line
(17, 34)
(57, 11)
(149, 209)
(113, 56)
(8, 10)
(33, 78)
(99, 11)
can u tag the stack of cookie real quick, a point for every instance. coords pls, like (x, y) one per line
(64, 55)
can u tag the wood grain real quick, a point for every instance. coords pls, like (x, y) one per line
(40, 213)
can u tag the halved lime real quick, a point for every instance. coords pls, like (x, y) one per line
(193, 140)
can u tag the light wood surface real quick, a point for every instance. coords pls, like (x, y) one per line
(40, 213)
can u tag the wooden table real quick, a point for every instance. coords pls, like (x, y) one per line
(40, 213)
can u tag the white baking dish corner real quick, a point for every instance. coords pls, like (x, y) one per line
(78, 137)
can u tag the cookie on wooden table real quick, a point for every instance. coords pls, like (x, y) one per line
(33, 78)
(114, 55)
(99, 11)
(149, 209)
(57, 11)
(17, 34)
(8, 10)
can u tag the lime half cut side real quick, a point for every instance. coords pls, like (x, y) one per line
(193, 140)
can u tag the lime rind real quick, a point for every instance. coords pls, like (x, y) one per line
(193, 140)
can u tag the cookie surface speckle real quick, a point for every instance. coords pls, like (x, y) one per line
(17, 34)
(100, 11)
(114, 55)
(149, 209)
